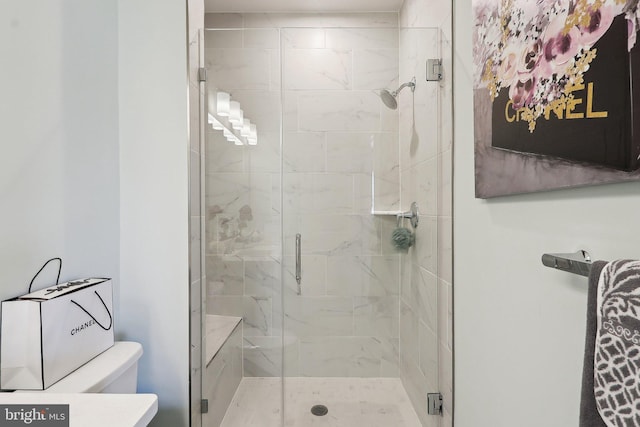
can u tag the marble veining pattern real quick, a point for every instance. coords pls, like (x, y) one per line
(257, 316)
(318, 316)
(218, 330)
(345, 356)
(338, 111)
(224, 275)
(262, 277)
(375, 68)
(263, 356)
(318, 69)
(363, 275)
(227, 159)
(222, 377)
(304, 152)
(370, 402)
(239, 68)
(376, 316)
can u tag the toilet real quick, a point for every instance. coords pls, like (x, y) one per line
(100, 393)
(113, 371)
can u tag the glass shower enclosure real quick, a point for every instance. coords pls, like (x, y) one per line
(309, 308)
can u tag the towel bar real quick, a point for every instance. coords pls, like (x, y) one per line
(576, 263)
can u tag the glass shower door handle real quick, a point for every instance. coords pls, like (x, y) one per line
(298, 263)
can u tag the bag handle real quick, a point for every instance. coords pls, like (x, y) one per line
(94, 319)
(42, 268)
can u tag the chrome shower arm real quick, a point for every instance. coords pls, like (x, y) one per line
(411, 84)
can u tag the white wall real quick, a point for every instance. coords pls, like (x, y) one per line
(72, 72)
(59, 136)
(154, 198)
(519, 326)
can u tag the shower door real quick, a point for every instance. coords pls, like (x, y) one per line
(243, 229)
(358, 314)
(298, 227)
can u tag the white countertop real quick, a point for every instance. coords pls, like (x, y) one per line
(94, 409)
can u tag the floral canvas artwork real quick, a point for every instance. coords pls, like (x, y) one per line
(554, 100)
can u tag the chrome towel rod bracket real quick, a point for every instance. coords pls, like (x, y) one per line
(576, 263)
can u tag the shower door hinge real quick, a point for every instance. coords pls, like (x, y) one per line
(204, 406)
(434, 70)
(202, 74)
(434, 403)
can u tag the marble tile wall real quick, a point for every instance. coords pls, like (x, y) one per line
(340, 153)
(425, 141)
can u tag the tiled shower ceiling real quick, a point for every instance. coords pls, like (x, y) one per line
(302, 5)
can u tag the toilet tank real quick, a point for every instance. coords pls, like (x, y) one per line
(113, 371)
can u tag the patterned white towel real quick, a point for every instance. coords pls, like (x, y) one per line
(617, 351)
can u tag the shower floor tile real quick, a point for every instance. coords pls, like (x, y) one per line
(352, 402)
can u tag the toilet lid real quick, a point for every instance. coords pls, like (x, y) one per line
(99, 372)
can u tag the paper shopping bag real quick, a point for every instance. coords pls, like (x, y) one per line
(51, 332)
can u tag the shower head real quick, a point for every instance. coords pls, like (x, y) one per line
(390, 99)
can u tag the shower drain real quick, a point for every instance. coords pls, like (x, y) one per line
(319, 410)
